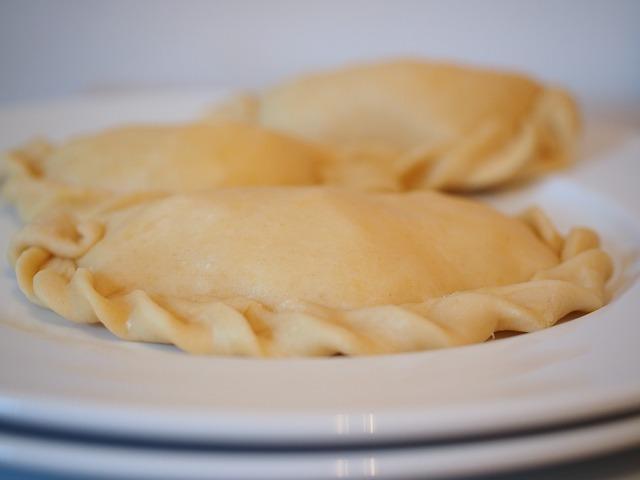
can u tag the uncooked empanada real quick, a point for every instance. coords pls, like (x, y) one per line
(90, 169)
(412, 124)
(309, 271)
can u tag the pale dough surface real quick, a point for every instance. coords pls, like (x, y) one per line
(154, 158)
(408, 124)
(308, 271)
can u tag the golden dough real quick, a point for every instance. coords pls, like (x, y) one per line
(411, 124)
(90, 169)
(308, 271)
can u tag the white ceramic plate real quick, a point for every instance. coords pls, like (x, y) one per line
(56, 374)
(423, 461)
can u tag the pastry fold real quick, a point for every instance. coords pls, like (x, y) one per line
(86, 171)
(276, 272)
(408, 124)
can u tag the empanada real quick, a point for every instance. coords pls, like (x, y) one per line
(178, 158)
(309, 271)
(411, 124)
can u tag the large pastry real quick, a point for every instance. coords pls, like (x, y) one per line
(86, 171)
(411, 124)
(308, 271)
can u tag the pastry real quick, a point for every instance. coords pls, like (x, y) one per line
(86, 171)
(408, 124)
(308, 271)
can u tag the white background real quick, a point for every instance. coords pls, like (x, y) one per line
(56, 48)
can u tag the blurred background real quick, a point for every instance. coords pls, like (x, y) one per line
(55, 48)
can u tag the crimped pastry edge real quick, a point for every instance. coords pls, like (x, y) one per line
(43, 254)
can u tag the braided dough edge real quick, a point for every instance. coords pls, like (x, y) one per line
(44, 254)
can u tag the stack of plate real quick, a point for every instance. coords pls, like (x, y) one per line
(74, 400)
